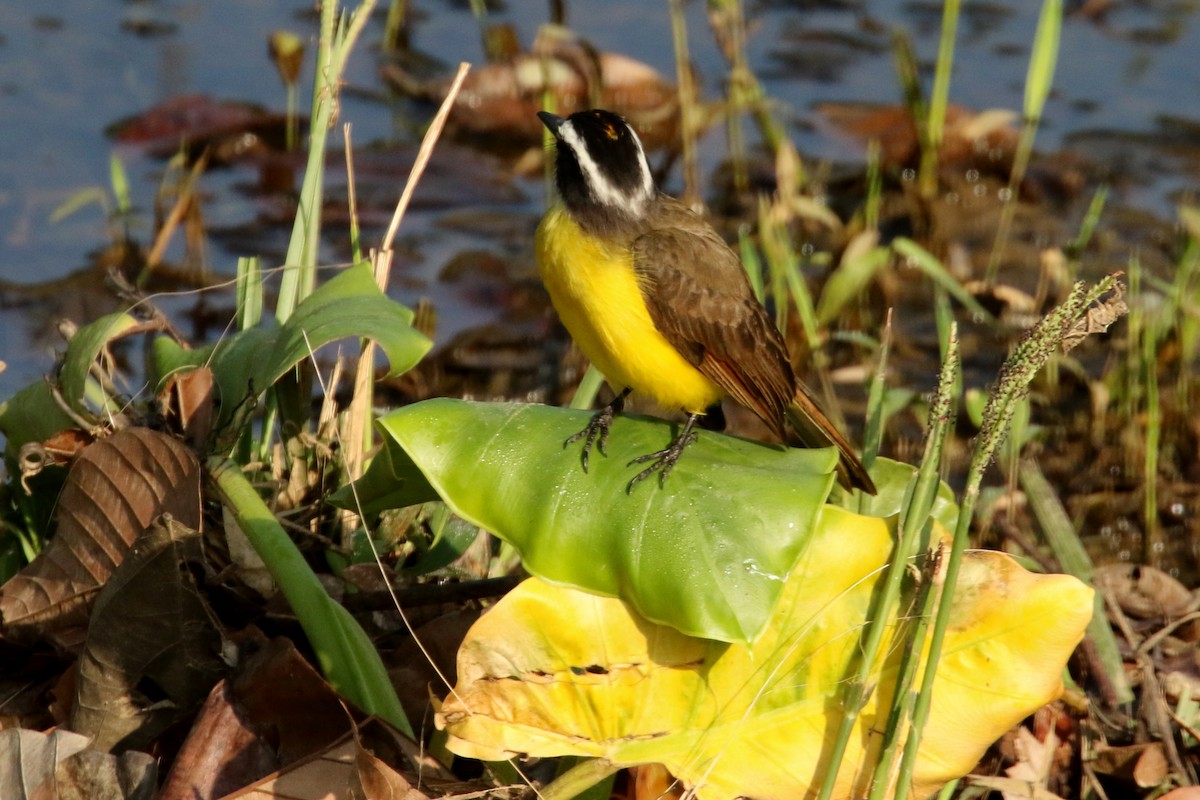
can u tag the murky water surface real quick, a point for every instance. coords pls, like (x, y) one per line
(1125, 107)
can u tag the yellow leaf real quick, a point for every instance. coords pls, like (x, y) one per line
(551, 671)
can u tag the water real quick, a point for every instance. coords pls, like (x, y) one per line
(69, 70)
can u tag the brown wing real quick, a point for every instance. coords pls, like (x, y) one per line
(701, 301)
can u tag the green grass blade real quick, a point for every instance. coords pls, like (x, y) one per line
(939, 99)
(249, 293)
(1073, 558)
(344, 652)
(1040, 78)
(925, 261)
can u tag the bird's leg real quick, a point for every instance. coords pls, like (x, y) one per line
(597, 430)
(664, 460)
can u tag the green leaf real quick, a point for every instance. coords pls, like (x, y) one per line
(695, 554)
(926, 262)
(892, 479)
(31, 415)
(393, 481)
(344, 651)
(350, 305)
(82, 352)
(1044, 58)
(852, 275)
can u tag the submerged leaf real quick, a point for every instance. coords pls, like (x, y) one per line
(551, 671)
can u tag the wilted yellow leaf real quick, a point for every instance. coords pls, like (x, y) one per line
(552, 671)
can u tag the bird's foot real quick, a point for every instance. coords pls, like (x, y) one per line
(596, 431)
(663, 461)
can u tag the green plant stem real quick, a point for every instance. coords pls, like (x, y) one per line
(395, 27)
(333, 50)
(914, 522)
(689, 113)
(344, 652)
(873, 432)
(1025, 362)
(585, 394)
(1038, 81)
(1153, 545)
(914, 535)
(938, 100)
(578, 779)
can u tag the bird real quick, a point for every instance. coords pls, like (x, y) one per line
(660, 304)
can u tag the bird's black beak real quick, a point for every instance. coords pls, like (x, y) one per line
(551, 121)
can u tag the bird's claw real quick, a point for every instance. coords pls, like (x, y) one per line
(596, 433)
(662, 461)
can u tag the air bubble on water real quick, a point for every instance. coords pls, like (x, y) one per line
(952, 198)
(1158, 547)
(908, 175)
(1124, 555)
(980, 190)
(1004, 194)
(1178, 509)
(972, 175)
(807, 249)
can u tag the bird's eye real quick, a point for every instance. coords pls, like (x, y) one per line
(611, 131)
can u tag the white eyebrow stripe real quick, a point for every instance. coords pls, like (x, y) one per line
(605, 192)
(647, 178)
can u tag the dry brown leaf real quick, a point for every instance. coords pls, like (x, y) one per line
(501, 99)
(328, 775)
(1097, 319)
(59, 766)
(273, 711)
(1035, 759)
(187, 402)
(378, 781)
(89, 775)
(1013, 787)
(654, 782)
(115, 488)
(28, 758)
(1144, 592)
(1143, 765)
(152, 650)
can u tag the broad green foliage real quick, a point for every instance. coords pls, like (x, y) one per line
(350, 305)
(551, 671)
(705, 554)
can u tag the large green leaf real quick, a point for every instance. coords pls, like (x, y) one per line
(706, 553)
(247, 363)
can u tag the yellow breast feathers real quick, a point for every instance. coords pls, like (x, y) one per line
(597, 296)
